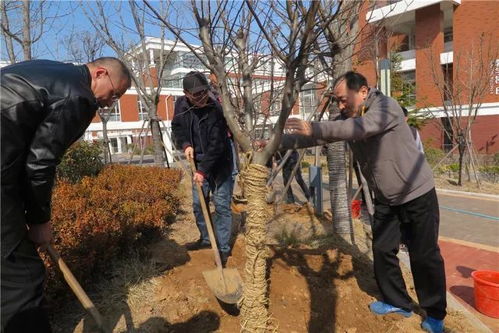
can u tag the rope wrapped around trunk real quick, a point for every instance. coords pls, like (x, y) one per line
(254, 304)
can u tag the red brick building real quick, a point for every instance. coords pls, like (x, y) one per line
(432, 36)
(126, 123)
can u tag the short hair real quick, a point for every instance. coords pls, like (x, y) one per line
(116, 64)
(354, 80)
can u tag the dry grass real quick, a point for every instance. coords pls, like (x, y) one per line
(451, 184)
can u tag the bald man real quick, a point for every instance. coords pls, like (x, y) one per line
(45, 107)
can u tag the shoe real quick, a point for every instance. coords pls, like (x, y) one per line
(433, 325)
(197, 245)
(381, 308)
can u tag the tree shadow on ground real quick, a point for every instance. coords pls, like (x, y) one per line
(320, 284)
(203, 322)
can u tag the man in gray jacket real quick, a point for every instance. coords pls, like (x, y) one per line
(404, 190)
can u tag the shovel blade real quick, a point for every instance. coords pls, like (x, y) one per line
(226, 284)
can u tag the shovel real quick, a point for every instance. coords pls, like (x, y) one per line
(225, 283)
(76, 288)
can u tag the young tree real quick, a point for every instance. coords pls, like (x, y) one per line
(146, 68)
(462, 90)
(244, 34)
(83, 46)
(25, 22)
(341, 37)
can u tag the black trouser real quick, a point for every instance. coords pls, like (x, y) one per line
(23, 274)
(286, 174)
(419, 219)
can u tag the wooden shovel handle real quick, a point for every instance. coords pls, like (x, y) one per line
(207, 218)
(76, 287)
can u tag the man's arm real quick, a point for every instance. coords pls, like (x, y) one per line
(180, 133)
(378, 119)
(63, 126)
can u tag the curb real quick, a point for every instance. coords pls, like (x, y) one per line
(479, 195)
(452, 302)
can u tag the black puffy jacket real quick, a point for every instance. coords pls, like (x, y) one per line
(45, 107)
(209, 138)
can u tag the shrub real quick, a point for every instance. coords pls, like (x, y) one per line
(490, 169)
(305, 164)
(433, 155)
(454, 167)
(102, 217)
(82, 159)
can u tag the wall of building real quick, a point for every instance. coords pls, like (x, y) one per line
(364, 49)
(429, 46)
(484, 134)
(472, 19)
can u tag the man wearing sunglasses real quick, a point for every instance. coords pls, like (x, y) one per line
(45, 107)
(200, 130)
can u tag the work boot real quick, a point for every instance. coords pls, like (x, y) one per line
(197, 245)
(433, 325)
(381, 308)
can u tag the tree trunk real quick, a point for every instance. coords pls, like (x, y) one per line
(8, 39)
(336, 164)
(26, 30)
(254, 305)
(461, 156)
(107, 151)
(159, 152)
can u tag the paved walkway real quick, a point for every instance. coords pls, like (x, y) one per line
(460, 260)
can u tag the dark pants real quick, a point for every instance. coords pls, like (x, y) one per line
(419, 220)
(23, 274)
(286, 174)
(222, 221)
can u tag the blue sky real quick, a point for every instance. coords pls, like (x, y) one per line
(70, 18)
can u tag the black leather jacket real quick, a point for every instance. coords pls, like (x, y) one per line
(45, 107)
(209, 138)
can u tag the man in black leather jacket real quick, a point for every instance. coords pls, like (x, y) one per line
(200, 130)
(45, 107)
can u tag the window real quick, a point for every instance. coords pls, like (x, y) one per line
(448, 34)
(447, 70)
(308, 101)
(257, 103)
(142, 111)
(113, 143)
(404, 44)
(172, 81)
(115, 113)
(448, 134)
(191, 61)
(408, 88)
(276, 103)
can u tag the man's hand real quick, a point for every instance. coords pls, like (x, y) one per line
(198, 178)
(40, 234)
(189, 153)
(298, 126)
(258, 145)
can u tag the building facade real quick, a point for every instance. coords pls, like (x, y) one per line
(127, 125)
(448, 41)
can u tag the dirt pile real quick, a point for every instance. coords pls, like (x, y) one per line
(317, 284)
